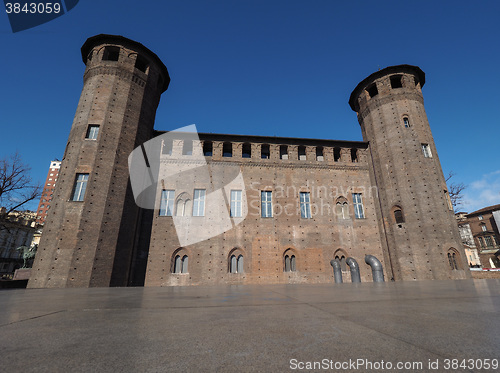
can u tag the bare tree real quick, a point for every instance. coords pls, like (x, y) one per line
(16, 186)
(455, 191)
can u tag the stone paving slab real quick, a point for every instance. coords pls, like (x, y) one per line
(248, 328)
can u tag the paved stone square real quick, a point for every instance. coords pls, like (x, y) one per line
(248, 328)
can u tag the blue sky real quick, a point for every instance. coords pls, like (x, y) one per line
(283, 68)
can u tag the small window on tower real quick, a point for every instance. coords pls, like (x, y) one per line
(396, 81)
(398, 216)
(141, 64)
(372, 90)
(111, 54)
(406, 122)
(426, 150)
(92, 132)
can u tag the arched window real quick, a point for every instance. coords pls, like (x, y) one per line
(180, 261)
(236, 264)
(181, 264)
(341, 256)
(183, 205)
(289, 261)
(240, 264)
(406, 122)
(342, 208)
(453, 259)
(398, 216)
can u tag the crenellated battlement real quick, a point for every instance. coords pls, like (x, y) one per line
(267, 150)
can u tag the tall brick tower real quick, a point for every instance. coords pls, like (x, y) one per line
(89, 234)
(414, 210)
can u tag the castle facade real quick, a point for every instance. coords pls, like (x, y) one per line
(243, 209)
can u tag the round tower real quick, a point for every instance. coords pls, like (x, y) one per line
(414, 209)
(89, 234)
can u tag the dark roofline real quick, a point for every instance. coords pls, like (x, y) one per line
(485, 209)
(276, 140)
(118, 39)
(353, 102)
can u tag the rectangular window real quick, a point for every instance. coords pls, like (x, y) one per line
(199, 202)
(489, 241)
(483, 227)
(427, 150)
(92, 132)
(80, 186)
(305, 205)
(236, 203)
(167, 203)
(359, 212)
(481, 242)
(480, 217)
(266, 204)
